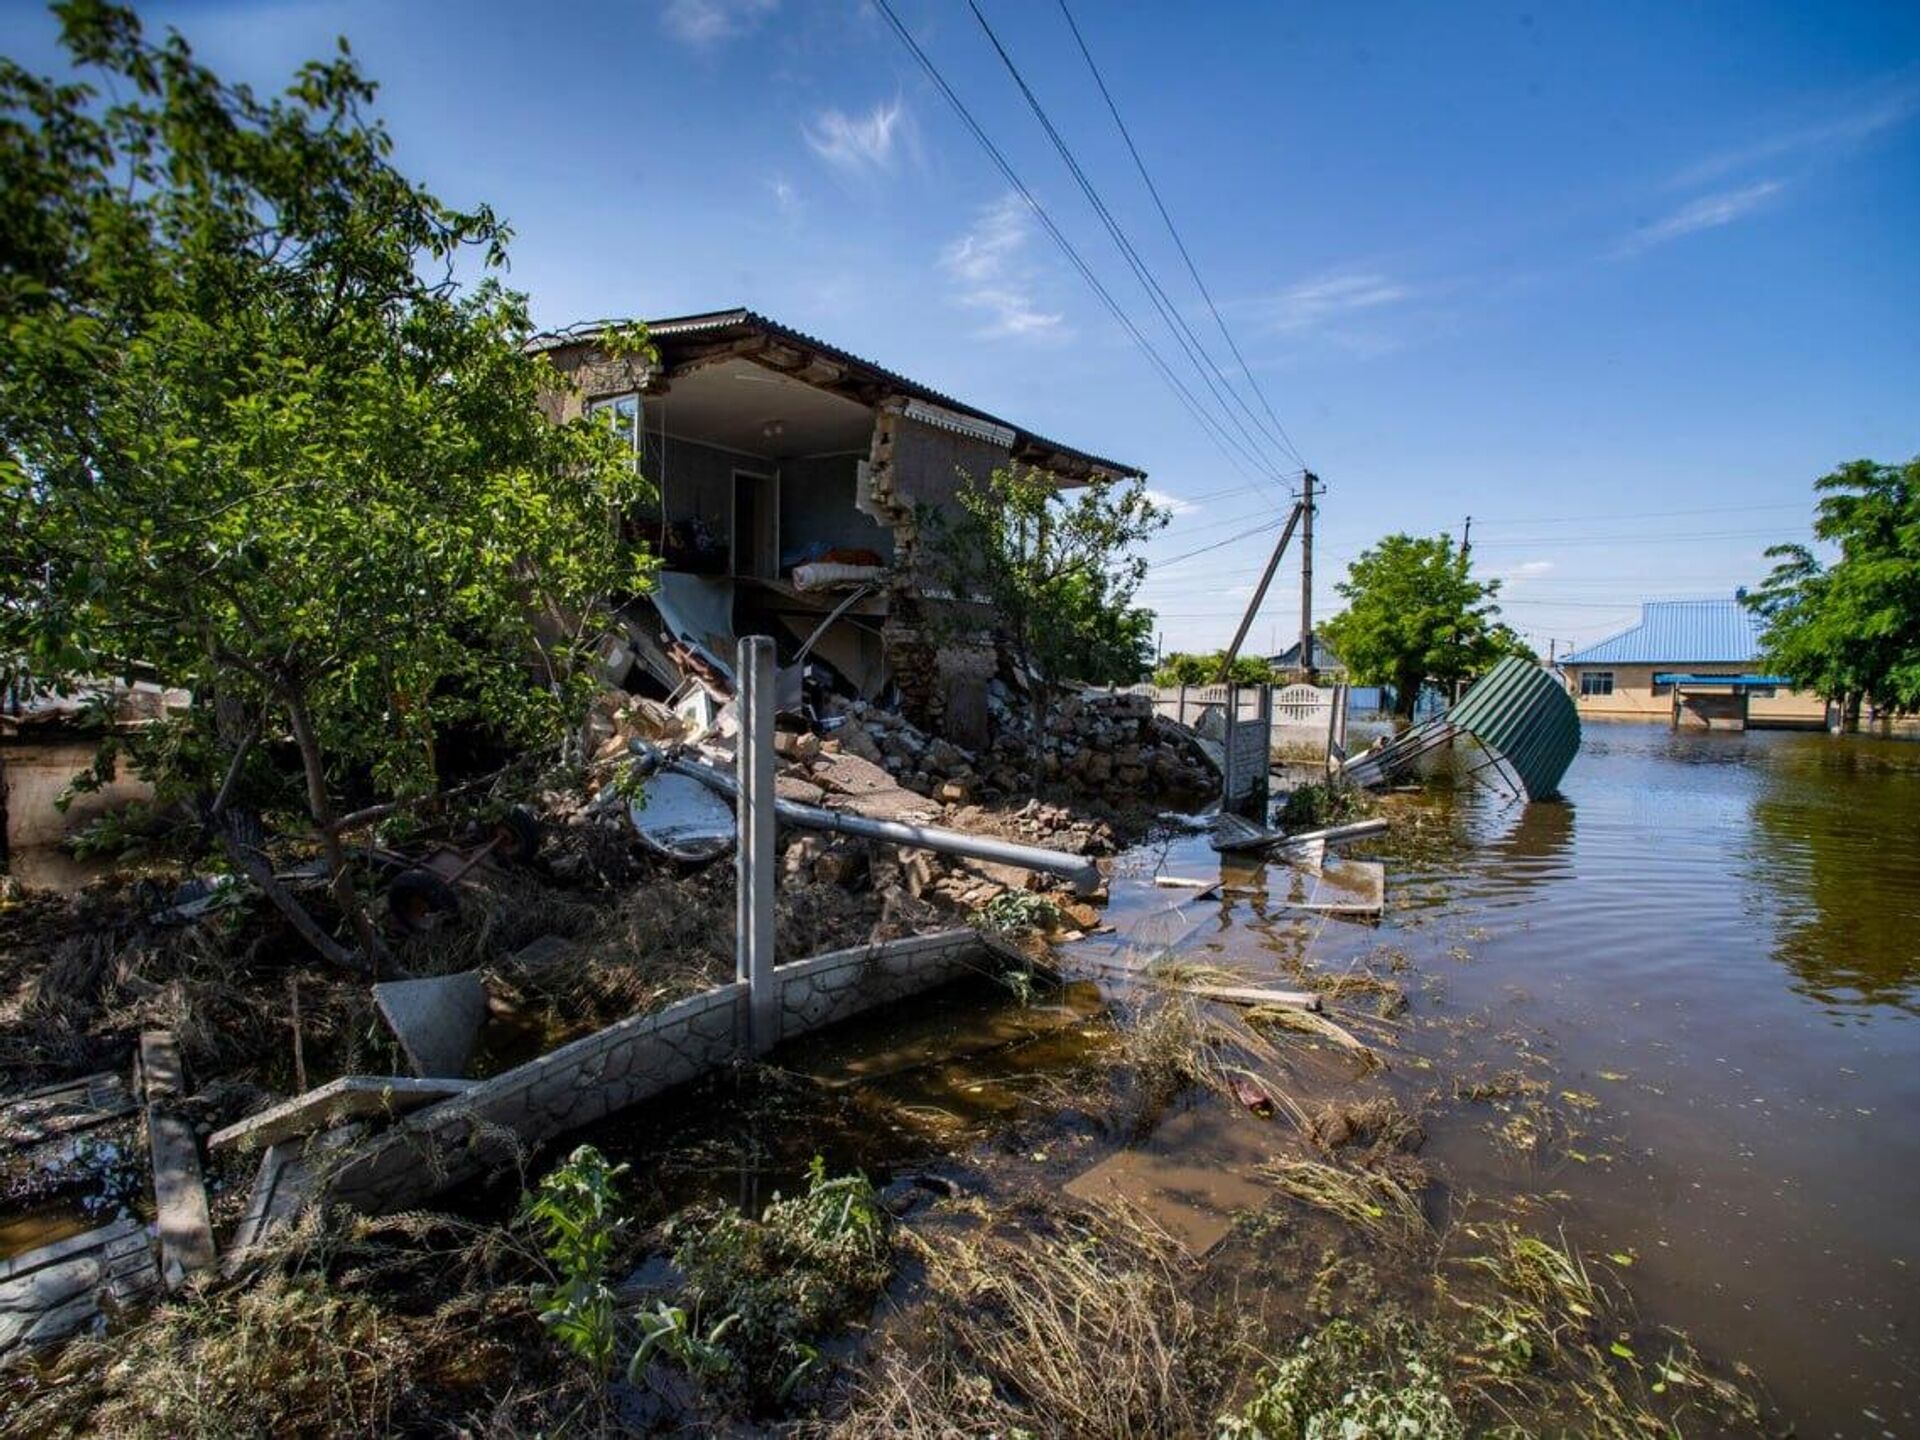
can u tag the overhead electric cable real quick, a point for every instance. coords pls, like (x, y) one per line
(1179, 244)
(1215, 431)
(1203, 363)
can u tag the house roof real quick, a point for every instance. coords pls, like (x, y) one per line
(1324, 657)
(723, 326)
(1680, 632)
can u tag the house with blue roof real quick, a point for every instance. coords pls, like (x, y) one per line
(1692, 663)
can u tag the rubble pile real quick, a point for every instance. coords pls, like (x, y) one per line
(1105, 747)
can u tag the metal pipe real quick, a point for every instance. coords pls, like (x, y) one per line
(1078, 869)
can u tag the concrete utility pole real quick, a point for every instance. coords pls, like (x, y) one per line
(754, 854)
(1259, 594)
(1306, 577)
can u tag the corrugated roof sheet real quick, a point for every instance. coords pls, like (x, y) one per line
(742, 319)
(1680, 632)
(1524, 715)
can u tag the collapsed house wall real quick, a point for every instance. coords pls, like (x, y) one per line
(818, 506)
(941, 651)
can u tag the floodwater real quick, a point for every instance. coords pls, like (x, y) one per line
(1717, 937)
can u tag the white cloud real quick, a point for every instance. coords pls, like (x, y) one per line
(994, 275)
(1709, 212)
(1823, 137)
(1172, 504)
(701, 23)
(862, 143)
(1317, 304)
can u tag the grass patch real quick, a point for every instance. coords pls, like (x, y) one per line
(1381, 1204)
(1079, 1328)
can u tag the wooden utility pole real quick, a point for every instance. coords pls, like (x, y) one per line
(1306, 577)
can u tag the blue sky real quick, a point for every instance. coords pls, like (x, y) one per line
(1616, 280)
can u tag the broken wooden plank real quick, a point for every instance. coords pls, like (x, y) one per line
(1249, 995)
(349, 1097)
(63, 1109)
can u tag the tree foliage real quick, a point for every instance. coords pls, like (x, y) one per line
(1850, 631)
(1056, 568)
(1416, 613)
(1183, 668)
(257, 434)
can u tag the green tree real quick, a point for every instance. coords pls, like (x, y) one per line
(1850, 631)
(1415, 613)
(1183, 668)
(257, 434)
(1056, 569)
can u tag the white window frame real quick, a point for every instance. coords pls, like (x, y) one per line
(610, 407)
(1596, 684)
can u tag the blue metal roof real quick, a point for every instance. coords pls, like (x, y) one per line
(1680, 632)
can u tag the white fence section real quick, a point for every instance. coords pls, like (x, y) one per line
(1299, 711)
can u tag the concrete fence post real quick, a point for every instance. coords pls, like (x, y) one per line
(754, 855)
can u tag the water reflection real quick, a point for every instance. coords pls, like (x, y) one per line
(1832, 852)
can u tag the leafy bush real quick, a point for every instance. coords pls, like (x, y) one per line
(766, 1290)
(1343, 1384)
(573, 1213)
(1312, 806)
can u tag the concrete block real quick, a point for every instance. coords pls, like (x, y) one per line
(348, 1097)
(435, 1020)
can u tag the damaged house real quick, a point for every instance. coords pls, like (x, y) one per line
(792, 482)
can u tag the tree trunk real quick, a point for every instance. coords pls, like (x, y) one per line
(1850, 714)
(1406, 697)
(321, 809)
(253, 865)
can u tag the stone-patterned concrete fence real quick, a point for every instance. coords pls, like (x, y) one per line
(634, 1060)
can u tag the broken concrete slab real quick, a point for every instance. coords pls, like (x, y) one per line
(435, 1020)
(162, 1077)
(288, 1177)
(63, 1109)
(49, 1293)
(537, 955)
(179, 1191)
(1194, 1202)
(349, 1097)
(180, 1199)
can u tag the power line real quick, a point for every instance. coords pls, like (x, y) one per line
(1170, 316)
(1179, 244)
(1220, 544)
(1215, 432)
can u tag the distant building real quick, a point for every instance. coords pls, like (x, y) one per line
(1325, 661)
(1692, 663)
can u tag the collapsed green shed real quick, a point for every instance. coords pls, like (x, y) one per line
(1518, 715)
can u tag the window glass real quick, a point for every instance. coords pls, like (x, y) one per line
(1596, 682)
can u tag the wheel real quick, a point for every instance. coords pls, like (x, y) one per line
(416, 897)
(517, 836)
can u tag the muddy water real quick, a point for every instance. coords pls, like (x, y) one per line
(1713, 944)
